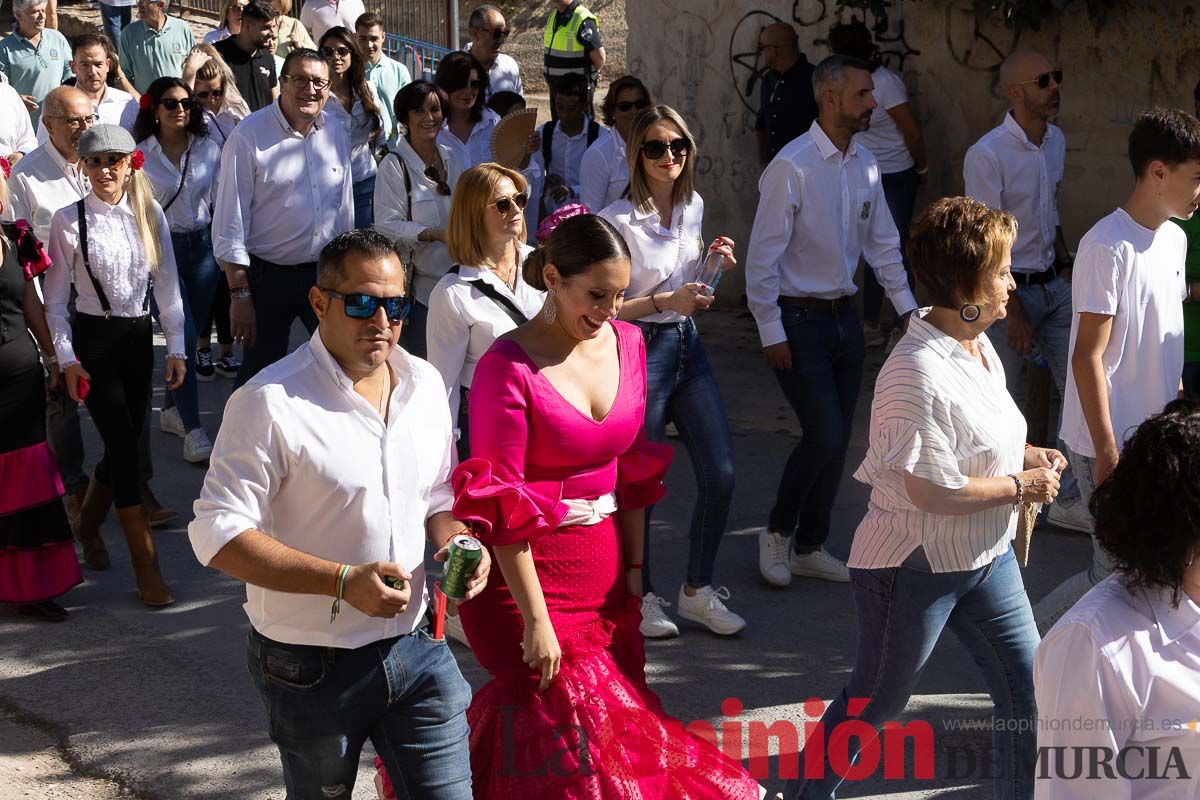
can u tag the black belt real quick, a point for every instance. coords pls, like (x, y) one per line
(818, 303)
(1035, 278)
(255, 261)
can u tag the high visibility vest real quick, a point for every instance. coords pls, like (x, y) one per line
(563, 52)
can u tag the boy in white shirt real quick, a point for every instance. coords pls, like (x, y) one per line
(1127, 332)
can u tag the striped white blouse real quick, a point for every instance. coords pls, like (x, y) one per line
(940, 415)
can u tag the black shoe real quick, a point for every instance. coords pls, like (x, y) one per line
(204, 365)
(228, 365)
(46, 611)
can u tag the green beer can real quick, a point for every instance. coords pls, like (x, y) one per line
(461, 562)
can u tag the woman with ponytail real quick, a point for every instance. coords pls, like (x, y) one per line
(110, 245)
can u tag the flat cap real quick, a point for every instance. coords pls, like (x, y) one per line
(105, 139)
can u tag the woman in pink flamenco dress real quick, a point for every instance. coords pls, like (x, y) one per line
(557, 488)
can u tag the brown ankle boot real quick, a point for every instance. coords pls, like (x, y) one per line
(156, 513)
(92, 512)
(152, 589)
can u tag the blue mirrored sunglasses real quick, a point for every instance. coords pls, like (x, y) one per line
(363, 306)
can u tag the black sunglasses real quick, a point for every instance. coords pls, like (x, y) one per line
(171, 104)
(442, 186)
(1043, 80)
(364, 306)
(505, 204)
(657, 149)
(498, 34)
(215, 94)
(330, 52)
(110, 160)
(626, 105)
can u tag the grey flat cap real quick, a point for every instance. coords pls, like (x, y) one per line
(105, 139)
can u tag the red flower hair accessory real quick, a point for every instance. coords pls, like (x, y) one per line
(146, 102)
(138, 159)
(7, 167)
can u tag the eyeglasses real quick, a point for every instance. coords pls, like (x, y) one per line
(1043, 80)
(301, 82)
(626, 105)
(442, 186)
(364, 306)
(215, 94)
(657, 149)
(330, 52)
(172, 104)
(78, 122)
(109, 160)
(505, 204)
(498, 34)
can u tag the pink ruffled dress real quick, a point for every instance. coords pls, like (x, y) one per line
(597, 732)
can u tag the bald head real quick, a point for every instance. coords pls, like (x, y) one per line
(56, 102)
(779, 46)
(1021, 66)
(59, 108)
(1029, 82)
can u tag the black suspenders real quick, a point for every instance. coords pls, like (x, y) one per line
(87, 265)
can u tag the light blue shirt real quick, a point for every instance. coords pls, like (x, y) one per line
(35, 70)
(147, 54)
(388, 77)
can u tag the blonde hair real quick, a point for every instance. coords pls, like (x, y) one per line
(472, 195)
(141, 200)
(225, 13)
(218, 70)
(639, 186)
(285, 6)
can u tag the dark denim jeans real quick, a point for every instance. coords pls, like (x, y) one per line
(198, 279)
(1191, 379)
(822, 387)
(900, 192)
(364, 202)
(901, 614)
(280, 295)
(404, 694)
(680, 387)
(115, 19)
(412, 335)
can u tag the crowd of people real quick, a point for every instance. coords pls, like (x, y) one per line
(527, 329)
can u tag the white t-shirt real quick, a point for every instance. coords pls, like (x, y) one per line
(883, 138)
(1134, 275)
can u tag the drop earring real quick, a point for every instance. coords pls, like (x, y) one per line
(969, 313)
(550, 310)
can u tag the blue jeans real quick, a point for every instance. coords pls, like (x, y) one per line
(364, 202)
(279, 295)
(405, 694)
(680, 386)
(198, 279)
(900, 192)
(901, 614)
(1191, 379)
(115, 19)
(822, 387)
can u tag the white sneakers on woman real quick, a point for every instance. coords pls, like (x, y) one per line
(778, 562)
(705, 607)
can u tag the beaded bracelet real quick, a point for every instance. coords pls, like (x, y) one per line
(1020, 490)
(341, 588)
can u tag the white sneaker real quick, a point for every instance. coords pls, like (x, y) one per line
(655, 622)
(671, 431)
(773, 558)
(169, 421)
(818, 564)
(196, 446)
(454, 629)
(1072, 517)
(705, 607)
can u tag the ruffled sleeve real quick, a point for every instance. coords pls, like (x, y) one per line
(490, 490)
(30, 253)
(641, 468)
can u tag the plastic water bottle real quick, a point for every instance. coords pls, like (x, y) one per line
(711, 271)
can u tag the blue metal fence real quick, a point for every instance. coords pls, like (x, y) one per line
(421, 58)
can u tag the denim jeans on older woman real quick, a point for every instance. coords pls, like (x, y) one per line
(902, 612)
(198, 278)
(680, 387)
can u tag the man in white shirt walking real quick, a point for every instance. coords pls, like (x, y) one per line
(488, 34)
(355, 511)
(1127, 332)
(91, 64)
(821, 208)
(285, 192)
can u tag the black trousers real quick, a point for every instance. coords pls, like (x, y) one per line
(279, 294)
(118, 354)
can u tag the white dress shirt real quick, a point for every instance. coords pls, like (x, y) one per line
(321, 15)
(284, 196)
(192, 209)
(42, 183)
(505, 75)
(566, 154)
(603, 171)
(939, 415)
(1006, 171)
(663, 258)
(307, 461)
(16, 130)
(118, 263)
(1121, 672)
(221, 125)
(403, 217)
(819, 211)
(358, 125)
(463, 322)
(478, 147)
(115, 108)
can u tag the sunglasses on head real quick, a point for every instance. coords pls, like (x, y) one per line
(627, 105)
(171, 104)
(215, 94)
(340, 52)
(1043, 80)
(105, 160)
(505, 204)
(657, 149)
(364, 306)
(442, 186)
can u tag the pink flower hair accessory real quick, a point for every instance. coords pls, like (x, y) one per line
(563, 213)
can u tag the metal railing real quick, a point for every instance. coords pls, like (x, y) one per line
(421, 58)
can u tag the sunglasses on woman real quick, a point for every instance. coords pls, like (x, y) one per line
(364, 306)
(330, 52)
(657, 149)
(1043, 80)
(172, 104)
(505, 204)
(109, 160)
(628, 105)
(215, 94)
